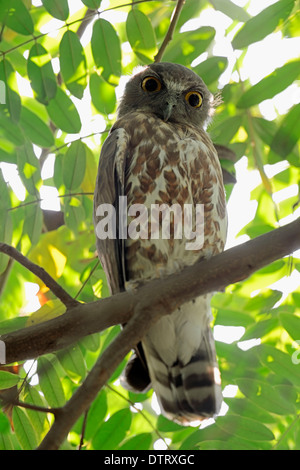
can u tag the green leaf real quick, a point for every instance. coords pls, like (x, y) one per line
(224, 132)
(6, 225)
(230, 9)
(288, 133)
(112, 431)
(38, 419)
(265, 396)
(40, 73)
(106, 50)
(15, 15)
(269, 86)
(211, 69)
(74, 213)
(6, 233)
(291, 323)
(96, 415)
(37, 131)
(73, 167)
(280, 363)
(33, 221)
(8, 380)
(73, 363)
(29, 168)
(187, 46)
(165, 425)
(142, 441)
(50, 382)
(73, 63)
(11, 131)
(245, 428)
(92, 4)
(103, 94)
(263, 24)
(57, 8)
(9, 98)
(140, 34)
(24, 429)
(63, 113)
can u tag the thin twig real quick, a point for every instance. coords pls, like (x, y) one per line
(170, 31)
(42, 409)
(48, 280)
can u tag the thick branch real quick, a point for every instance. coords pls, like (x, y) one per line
(206, 276)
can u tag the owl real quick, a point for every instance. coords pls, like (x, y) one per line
(158, 154)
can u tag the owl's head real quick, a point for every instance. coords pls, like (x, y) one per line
(170, 91)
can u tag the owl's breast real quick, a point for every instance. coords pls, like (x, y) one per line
(175, 197)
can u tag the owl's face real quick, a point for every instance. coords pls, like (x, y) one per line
(170, 91)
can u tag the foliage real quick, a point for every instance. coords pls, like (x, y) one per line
(62, 63)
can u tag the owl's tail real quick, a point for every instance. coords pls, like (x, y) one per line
(187, 391)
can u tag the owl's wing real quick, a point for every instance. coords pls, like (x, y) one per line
(109, 187)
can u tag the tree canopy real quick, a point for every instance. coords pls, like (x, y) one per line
(63, 66)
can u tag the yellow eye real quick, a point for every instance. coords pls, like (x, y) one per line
(194, 98)
(151, 84)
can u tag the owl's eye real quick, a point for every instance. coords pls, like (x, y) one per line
(151, 84)
(194, 98)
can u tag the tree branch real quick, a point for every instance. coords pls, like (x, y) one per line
(170, 31)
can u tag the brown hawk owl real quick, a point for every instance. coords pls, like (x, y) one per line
(158, 153)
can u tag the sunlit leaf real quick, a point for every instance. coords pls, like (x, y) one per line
(29, 168)
(50, 382)
(15, 15)
(269, 86)
(63, 113)
(73, 63)
(24, 429)
(33, 222)
(230, 9)
(291, 323)
(263, 24)
(288, 133)
(103, 94)
(40, 73)
(265, 396)
(92, 4)
(280, 363)
(8, 380)
(187, 46)
(73, 363)
(211, 69)
(245, 428)
(36, 129)
(8, 96)
(141, 35)
(106, 50)
(74, 165)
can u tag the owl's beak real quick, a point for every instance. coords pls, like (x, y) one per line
(168, 109)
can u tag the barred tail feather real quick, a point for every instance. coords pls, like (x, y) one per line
(188, 391)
